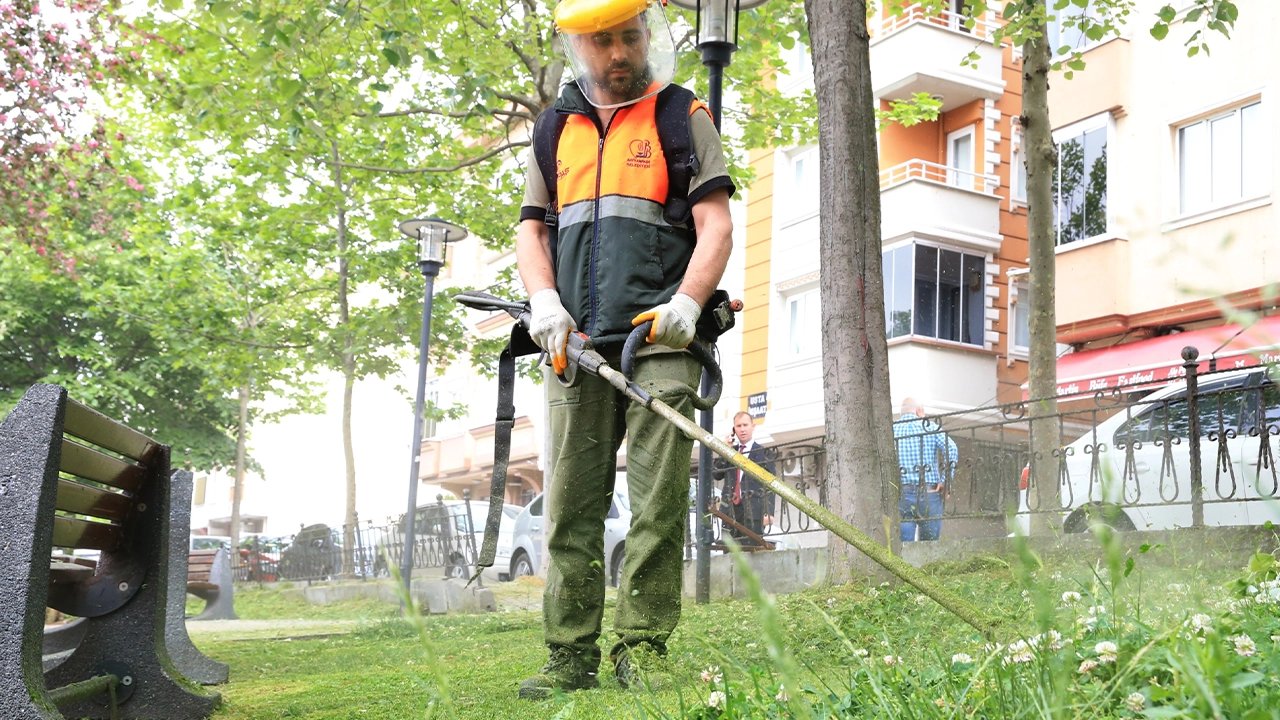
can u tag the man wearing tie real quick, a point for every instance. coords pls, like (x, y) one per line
(750, 503)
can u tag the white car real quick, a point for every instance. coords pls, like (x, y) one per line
(441, 538)
(1142, 476)
(523, 556)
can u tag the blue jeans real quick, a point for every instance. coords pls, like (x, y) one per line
(924, 513)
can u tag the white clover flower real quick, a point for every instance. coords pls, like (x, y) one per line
(1087, 665)
(1135, 702)
(1070, 596)
(1201, 622)
(1177, 587)
(716, 699)
(860, 652)
(1096, 610)
(782, 695)
(873, 593)
(1244, 645)
(892, 660)
(960, 658)
(831, 602)
(1019, 654)
(1275, 638)
(922, 599)
(712, 674)
(1106, 647)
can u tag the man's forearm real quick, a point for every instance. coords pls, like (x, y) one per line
(533, 256)
(714, 228)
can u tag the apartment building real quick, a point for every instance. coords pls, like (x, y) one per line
(1164, 226)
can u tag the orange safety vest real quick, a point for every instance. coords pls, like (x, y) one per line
(616, 255)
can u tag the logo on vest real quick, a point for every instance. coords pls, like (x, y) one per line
(641, 154)
(561, 170)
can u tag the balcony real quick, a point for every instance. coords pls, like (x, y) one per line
(969, 381)
(465, 461)
(924, 198)
(915, 52)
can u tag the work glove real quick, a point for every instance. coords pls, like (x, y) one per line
(550, 327)
(674, 322)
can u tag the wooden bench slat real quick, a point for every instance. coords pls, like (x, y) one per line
(74, 533)
(91, 425)
(93, 465)
(60, 572)
(74, 497)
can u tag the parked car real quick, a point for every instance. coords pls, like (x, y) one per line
(525, 551)
(1151, 488)
(210, 542)
(440, 531)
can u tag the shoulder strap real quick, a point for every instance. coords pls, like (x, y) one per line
(546, 139)
(672, 116)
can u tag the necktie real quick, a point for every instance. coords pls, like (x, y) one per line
(737, 483)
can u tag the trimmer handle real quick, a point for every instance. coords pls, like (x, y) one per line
(700, 350)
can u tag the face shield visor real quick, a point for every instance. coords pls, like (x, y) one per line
(621, 51)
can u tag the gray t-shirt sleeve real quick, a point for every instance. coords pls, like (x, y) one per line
(713, 172)
(536, 196)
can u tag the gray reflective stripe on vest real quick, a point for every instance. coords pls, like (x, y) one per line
(613, 206)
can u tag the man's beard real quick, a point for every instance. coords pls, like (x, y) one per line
(630, 87)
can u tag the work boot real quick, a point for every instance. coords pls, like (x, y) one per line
(566, 670)
(634, 665)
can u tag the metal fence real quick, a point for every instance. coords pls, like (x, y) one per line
(1200, 452)
(443, 541)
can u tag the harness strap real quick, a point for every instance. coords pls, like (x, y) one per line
(503, 421)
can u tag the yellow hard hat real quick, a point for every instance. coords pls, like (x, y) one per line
(577, 17)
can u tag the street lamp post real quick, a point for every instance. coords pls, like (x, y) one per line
(717, 38)
(431, 234)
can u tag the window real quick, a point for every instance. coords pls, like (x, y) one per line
(934, 292)
(1222, 159)
(1080, 181)
(1020, 332)
(960, 159)
(804, 322)
(804, 182)
(1018, 173)
(1073, 29)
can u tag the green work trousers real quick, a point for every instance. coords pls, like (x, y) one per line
(588, 423)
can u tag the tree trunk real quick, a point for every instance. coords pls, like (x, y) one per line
(237, 490)
(348, 364)
(1041, 160)
(861, 463)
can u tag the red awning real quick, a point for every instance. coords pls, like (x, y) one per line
(1159, 359)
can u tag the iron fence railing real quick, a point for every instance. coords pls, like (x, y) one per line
(443, 541)
(1202, 452)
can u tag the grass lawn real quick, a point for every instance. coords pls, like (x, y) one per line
(1147, 634)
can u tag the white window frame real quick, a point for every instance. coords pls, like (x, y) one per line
(917, 242)
(803, 340)
(1234, 113)
(802, 185)
(1019, 304)
(960, 176)
(1018, 168)
(1077, 129)
(1055, 30)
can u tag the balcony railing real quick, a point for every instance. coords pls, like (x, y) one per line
(937, 173)
(946, 20)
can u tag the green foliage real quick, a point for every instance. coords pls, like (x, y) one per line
(922, 107)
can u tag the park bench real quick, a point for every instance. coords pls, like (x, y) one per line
(209, 578)
(71, 478)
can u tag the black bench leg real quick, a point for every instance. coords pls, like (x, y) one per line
(186, 657)
(131, 640)
(30, 450)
